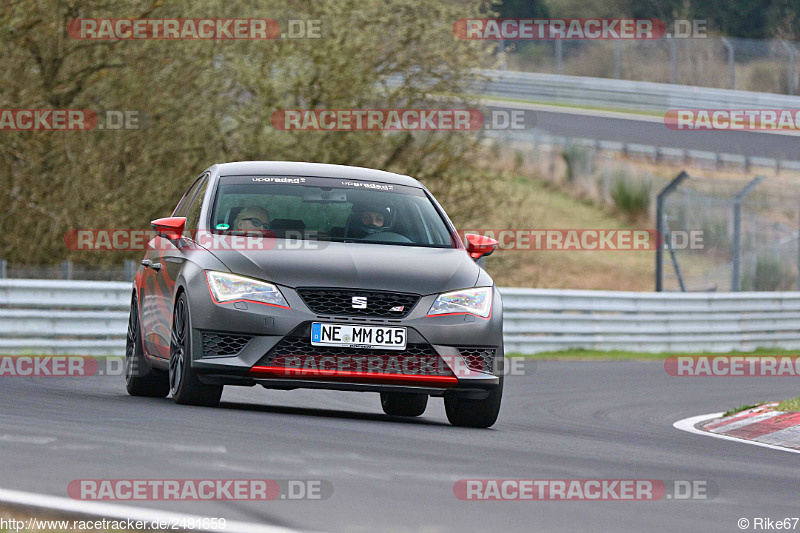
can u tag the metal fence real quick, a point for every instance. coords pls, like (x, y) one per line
(750, 232)
(68, 270)
(90, 318)
(729, 63)
(539, 141)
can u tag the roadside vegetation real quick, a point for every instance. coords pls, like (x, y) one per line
(792, 404)
(200, 102)
(741, 408)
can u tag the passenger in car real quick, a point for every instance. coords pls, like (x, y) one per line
(252, 218)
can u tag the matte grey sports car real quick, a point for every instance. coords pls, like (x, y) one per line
(302, 275)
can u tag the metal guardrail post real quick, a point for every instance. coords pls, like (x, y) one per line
(791, 74)
(66, 270)
(673, 60)
(3, 269)
(130, 269)
(617, 59)
(660, 225)
(559, 50)
(736, 282)
(731, 64)
(674, 259)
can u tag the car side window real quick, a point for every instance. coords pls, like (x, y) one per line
(196, 205)
(183, 206)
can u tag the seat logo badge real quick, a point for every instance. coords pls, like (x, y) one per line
(398, 308)
(359, 302)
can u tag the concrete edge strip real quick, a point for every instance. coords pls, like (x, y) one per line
(688, 425)
(124, 512)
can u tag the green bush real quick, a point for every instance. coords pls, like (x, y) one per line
(715, 235)
(631, 196)
(770, 274)
(577, 159)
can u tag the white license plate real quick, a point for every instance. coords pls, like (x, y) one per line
(354, 336)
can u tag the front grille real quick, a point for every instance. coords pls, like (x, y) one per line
(223, 345)
(480, 358)
(298, 352)
(339, 302)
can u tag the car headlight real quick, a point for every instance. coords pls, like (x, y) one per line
(226, 287)
(467, 301)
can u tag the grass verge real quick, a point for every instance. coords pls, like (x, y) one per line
(792, 404)
(741, 408)
(542, 205)
(569, 105)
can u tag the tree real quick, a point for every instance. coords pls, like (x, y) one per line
(203, 102)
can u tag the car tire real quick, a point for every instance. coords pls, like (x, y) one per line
(467, 412)
(403, 404)
(184, 385)
(140, 378)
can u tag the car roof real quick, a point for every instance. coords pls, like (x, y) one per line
(294, 168)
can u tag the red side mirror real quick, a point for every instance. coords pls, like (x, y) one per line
(479, 245)
(170, 228)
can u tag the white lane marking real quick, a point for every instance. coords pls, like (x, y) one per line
(746, 421)
(188, 448)
(198, 448)
(687, 424)
(125, 512)
(26, 439)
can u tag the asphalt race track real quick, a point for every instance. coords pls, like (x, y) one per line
(656, 133)
(562, 420)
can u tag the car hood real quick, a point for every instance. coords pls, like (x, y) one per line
(368, 266)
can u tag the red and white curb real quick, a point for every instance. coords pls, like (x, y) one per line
(760, 426)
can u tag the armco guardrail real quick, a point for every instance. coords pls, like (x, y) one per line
(90, 318)
(63, 317)
(625, 94)
(538, 320)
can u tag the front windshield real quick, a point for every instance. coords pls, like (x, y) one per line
(328, 209)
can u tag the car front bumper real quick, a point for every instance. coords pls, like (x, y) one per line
(231, 343)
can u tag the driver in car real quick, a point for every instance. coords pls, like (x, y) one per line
(372, 220)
